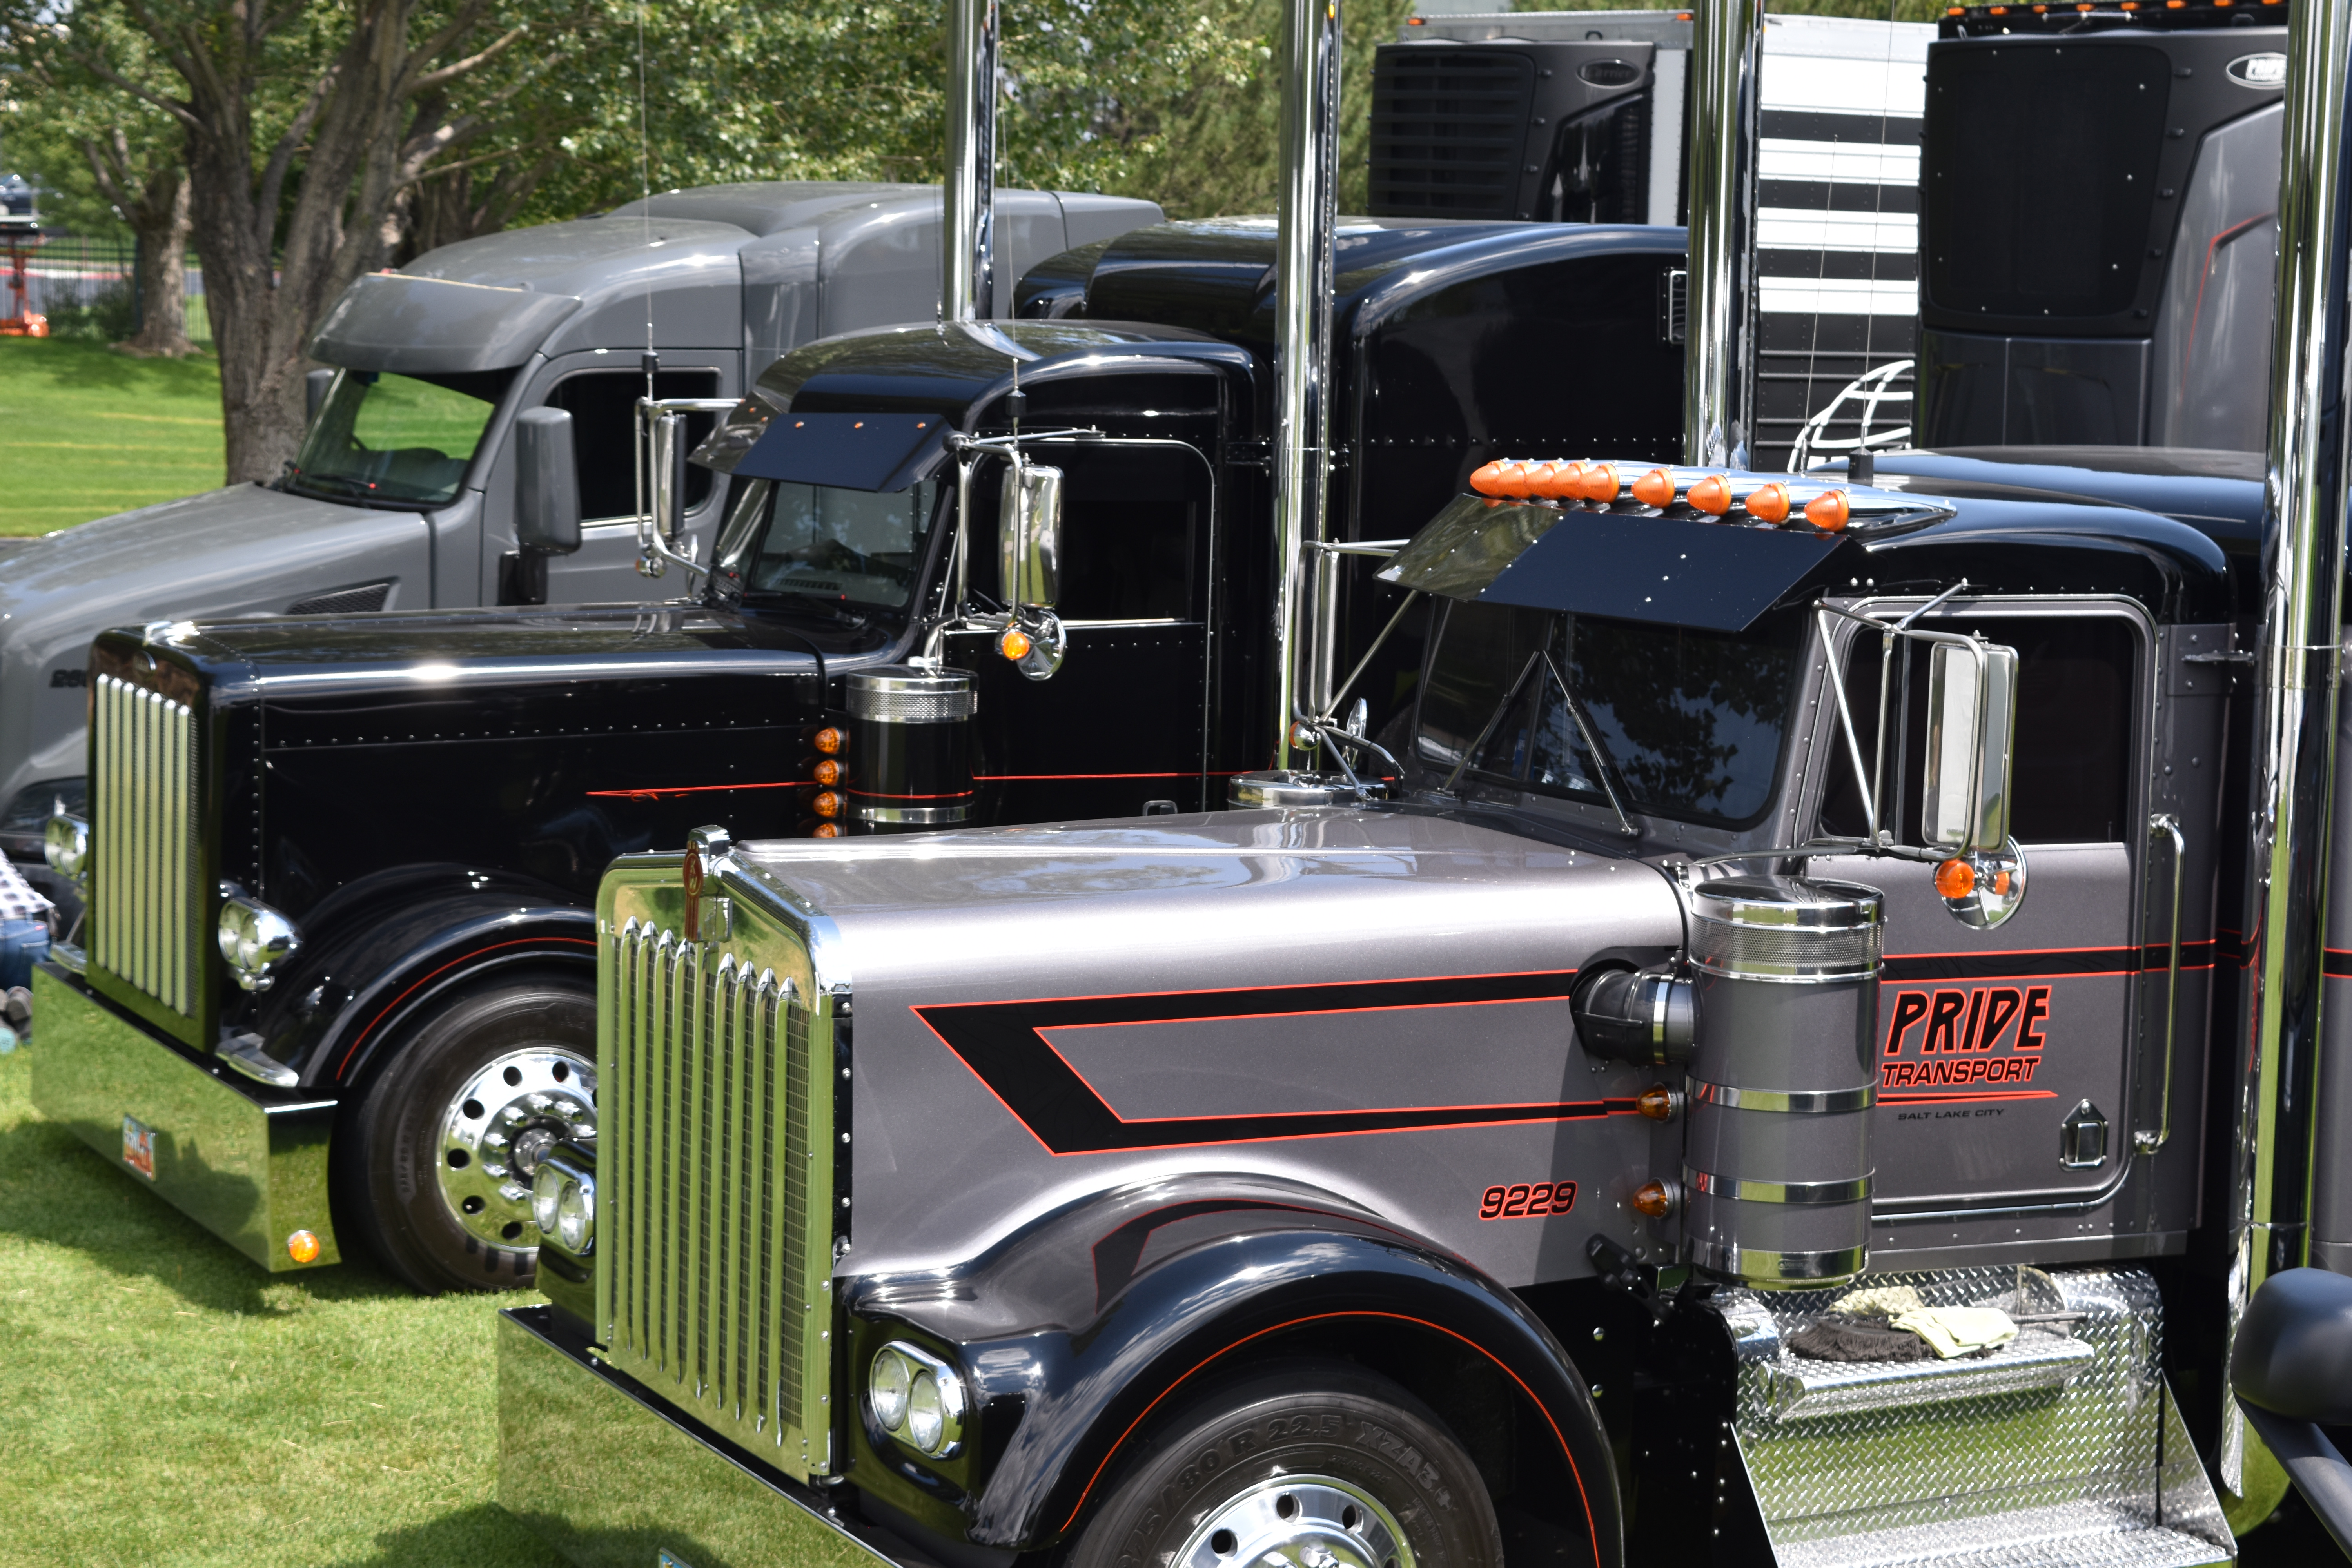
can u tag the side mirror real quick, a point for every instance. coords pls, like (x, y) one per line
(1029, 538)
(547, 483)
(1971, 730)
(315, 387)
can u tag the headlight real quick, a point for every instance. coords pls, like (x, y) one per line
(546, 1190)
(65, 845)
(917, 1398)
(256, 940)
(575, 1215)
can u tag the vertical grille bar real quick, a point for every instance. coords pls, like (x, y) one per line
(717, 1130)
(149, 903)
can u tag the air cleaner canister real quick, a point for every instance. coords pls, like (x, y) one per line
(1783, 1072)
(909, 757)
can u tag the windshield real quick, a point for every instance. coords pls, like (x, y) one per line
(400, 439)
(786, 541)
(1693, 722)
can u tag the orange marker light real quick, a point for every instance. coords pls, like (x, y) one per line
(1655, 488)
(302, 1247)
(1564, 482)
(828, 740)
(1014, 644)
(1514, 480)
(1600, 482)
(827, 771)
(1829, 511)
(1483, 479)
(1711, 495)
(1769, 504)
(2001, 884)
(1656, 1102)
(1956, 879)
(826, 830)
(1654, 1199)
(826, 803)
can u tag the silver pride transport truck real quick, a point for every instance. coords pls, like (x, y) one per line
(1464, 1149)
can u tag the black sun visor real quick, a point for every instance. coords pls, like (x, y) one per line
(848, 451)
(1709, 575)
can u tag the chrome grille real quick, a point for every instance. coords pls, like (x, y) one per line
(717, 1175)
(146, 909)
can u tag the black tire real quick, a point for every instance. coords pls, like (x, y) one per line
(1234, 1454)
(392, 1153)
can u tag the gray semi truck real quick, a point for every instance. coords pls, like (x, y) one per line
(1798, 1045)
(402, 497)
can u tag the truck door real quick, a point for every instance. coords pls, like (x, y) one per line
(601, 395)
(1124, 721)
(2007, 1055)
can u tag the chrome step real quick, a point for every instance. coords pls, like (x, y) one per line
(2063, 1449)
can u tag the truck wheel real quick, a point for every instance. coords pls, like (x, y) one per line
(437, 1171)
(1322, 1462)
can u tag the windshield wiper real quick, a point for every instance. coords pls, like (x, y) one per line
(1604, 764)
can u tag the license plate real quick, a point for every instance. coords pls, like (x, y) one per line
(139, 1147)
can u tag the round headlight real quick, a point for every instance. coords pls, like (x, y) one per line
(575, 1216)
(925, 1413)
(65, 845)
(255, 940)
(887, 1390)
(546, 1187)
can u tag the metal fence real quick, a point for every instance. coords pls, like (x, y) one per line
(90, 287)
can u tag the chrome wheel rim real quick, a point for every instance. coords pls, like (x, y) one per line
(1305, 1521)
(495, 1130)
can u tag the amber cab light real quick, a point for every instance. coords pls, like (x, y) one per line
(826, 803)
(1513, 480)
(828, 740)
(1956, 879)
(1014, 644)
(1600, 482)
(1657, 1102)
(826, 772)
(1564, 481)
(1769, 504)
(302, 1247)
(1655, 488)
(1482, 479)
(1829, 511)
(826, 830)
(1654, 1199)
(1711, 495)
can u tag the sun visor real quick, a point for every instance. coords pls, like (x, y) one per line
(847, 451)
(1712, 576)
(434, 326)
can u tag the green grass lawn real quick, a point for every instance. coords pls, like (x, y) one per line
(168, 1402)
(90, 432)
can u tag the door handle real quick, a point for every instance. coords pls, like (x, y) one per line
(2145, 1142)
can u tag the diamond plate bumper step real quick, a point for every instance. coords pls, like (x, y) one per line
(2063, 1449)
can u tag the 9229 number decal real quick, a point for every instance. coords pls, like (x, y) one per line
(1523, 1201)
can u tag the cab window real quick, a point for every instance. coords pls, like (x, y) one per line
(603, 405)
(2071, 779)
(1133, 530)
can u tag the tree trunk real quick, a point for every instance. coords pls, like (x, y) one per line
(161, 221)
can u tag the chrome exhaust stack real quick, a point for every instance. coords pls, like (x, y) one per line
(1719, 377)
(967, 275)
(1302, 459)
(2294, 756)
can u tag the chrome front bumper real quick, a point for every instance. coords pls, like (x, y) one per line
(247, 1163)
(605, 1475)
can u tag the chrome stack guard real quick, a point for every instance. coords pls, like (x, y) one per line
(606, 1474)
(247, 1163)
(2064, 1447)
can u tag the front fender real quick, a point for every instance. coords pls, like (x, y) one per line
(1075, 1332)
(395, 947)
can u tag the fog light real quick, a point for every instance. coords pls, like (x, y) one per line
(256, 941)
(575, 1215)
(302, 1247)
(65, 845)
(918, 1399)
(546, 1188)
